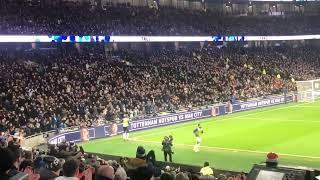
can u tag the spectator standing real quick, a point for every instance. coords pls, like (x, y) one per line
(139, 168)
(167, 176)
(7, 159)
(18, 159)
(52, 168)
(70, 170)
(120, 174)
(105, 172)
(182, 176)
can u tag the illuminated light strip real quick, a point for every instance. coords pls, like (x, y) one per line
(281, 38)
(53, 38)
(272, 0)
(23, 38)
(160, 38)
(107, 39)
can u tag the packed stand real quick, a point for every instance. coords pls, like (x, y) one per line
(67, 161)
(129, 20)
(41, 92)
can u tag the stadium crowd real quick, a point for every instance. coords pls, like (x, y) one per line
(40, 92)
(129, 20)
(66, 161)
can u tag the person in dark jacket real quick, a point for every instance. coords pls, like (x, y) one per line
(51, 169)
(167, 148)
(7, 160)
(17, 154)
(139, 168)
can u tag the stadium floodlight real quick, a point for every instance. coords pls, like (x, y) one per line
(308, 90)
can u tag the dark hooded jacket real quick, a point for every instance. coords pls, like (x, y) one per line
(140, 169)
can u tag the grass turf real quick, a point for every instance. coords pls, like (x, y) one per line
(234, 142)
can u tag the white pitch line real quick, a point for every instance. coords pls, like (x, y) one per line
(282, 120)
(304, 106)
(231, 149)
(227, 119)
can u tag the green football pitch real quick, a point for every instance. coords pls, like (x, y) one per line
(233, 142)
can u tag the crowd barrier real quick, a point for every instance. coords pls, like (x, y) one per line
(109, 130)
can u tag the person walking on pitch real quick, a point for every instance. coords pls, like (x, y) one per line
(125, 125)
(197, 133)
